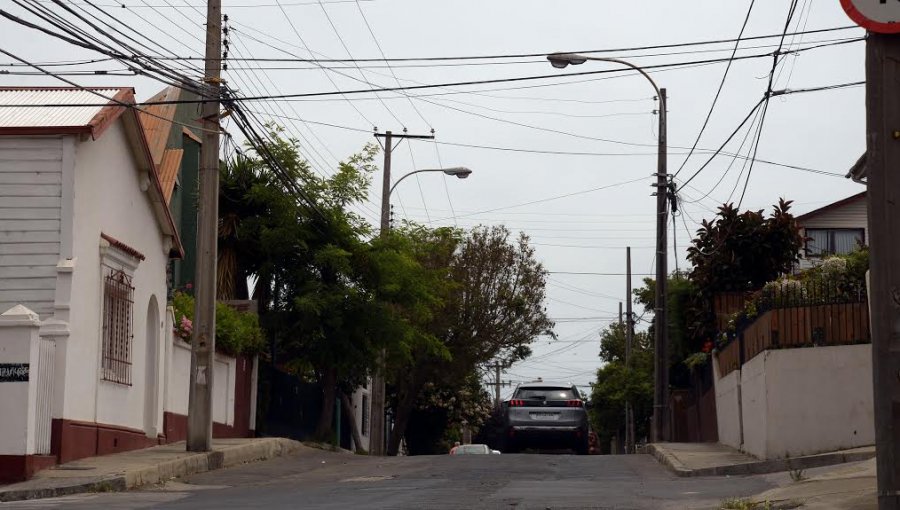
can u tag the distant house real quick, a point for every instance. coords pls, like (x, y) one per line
(835, 229)
(175, 149)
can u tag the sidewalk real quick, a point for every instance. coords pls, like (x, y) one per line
(713, 459)
(123, 471)
(851, 487)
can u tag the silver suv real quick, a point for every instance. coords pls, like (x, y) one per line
(544, 415)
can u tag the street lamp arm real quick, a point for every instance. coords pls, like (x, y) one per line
(564, 59)
(412, 173)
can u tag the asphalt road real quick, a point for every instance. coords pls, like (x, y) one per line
(323, 480)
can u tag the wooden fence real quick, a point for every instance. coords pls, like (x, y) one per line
(827, 314)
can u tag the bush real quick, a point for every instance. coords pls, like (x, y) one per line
(236, 332)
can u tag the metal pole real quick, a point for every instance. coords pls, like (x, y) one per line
(377, 416)
(203, 345)
(497, 388)
(883, 169)
(661, 330)
(629, 340)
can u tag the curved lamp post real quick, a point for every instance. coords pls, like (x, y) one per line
(377, 428)
(660, 428)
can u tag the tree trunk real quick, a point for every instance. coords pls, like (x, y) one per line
(329, 383)
(402, 415)
(354, 427)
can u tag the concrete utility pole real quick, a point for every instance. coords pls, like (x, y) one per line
(660, 430)
(883, 177)
(661, 330)
(629, 340)
(203, 345)
(377, 432)
(497, 384)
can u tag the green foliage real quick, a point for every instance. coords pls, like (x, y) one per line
(236, 332)
(743, 251)
(617, 384)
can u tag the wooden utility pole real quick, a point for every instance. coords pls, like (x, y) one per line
(629, 340)
(497, 382)
(661, 331)
(883, 178)
(203, 345)
(377, 435)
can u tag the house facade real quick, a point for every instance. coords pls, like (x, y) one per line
(835, 229)
(89, 364)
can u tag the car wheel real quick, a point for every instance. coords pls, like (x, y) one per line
(583, 448)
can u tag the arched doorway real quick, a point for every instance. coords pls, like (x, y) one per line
(151, 372)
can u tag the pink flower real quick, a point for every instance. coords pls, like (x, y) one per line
(189, 286)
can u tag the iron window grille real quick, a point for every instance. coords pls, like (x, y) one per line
(118, 334)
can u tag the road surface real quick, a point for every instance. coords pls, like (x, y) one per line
(317, 479)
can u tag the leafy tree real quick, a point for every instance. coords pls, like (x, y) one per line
(618, 383)
(743, 251)
(493, 310)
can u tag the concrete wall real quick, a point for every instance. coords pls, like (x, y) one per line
(728, 407)
(357, 401)
(18, 345)
(796, 402)
(178, 384)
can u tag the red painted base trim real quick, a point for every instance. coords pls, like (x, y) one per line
(16, 468)
(175, 427)
(72, 440)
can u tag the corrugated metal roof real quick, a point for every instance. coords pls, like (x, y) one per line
(39, 116)
(168, 171)
(157, 121)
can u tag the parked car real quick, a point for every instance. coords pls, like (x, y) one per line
(471, 449)
(543, 415)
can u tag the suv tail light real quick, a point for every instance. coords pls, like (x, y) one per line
(574, 403)
(516, 403)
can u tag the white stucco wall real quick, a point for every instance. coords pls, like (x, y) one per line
(18, 344)
(819, 399)
(179, 381)
(356, 400)
(728, 407)
(796, 402)
(753, 405)
(108, 198)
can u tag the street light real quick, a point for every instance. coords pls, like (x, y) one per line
(377, 429)
(660, 431)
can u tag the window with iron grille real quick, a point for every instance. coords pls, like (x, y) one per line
(365, 415)
(118, 319)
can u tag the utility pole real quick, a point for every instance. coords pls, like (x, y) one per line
(661, 330)
(629, 340)
(497, 382)
(883, 178)
(203, 345)
(377, 431)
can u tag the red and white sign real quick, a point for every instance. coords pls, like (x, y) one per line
(881, 16)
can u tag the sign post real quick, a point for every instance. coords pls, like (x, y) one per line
(882, 19)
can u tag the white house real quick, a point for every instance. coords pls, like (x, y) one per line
(835, 229)
(88, 361)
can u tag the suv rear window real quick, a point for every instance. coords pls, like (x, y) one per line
(546, 394)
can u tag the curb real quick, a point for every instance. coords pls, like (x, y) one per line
(262, 449)
(760, 467)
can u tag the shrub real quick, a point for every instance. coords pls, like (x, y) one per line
(236, 332)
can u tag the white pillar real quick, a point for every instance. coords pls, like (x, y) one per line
(19, 352)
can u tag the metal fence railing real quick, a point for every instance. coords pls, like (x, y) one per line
(797, 314)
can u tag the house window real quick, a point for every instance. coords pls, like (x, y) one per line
(833, 241)
(118, 318)
(365, 415)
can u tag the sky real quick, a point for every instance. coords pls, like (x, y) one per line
(578, 154)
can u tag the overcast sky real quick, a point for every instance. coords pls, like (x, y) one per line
(548, 196)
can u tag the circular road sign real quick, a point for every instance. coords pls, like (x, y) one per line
(881, 16)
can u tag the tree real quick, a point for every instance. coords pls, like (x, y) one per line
(618, 383)
(493, 309)
(743, 251)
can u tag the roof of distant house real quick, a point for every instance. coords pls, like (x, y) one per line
(832, 206)
(157, 121)
(168, 171)
(22, 111)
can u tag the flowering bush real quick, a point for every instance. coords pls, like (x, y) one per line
(236, 332)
